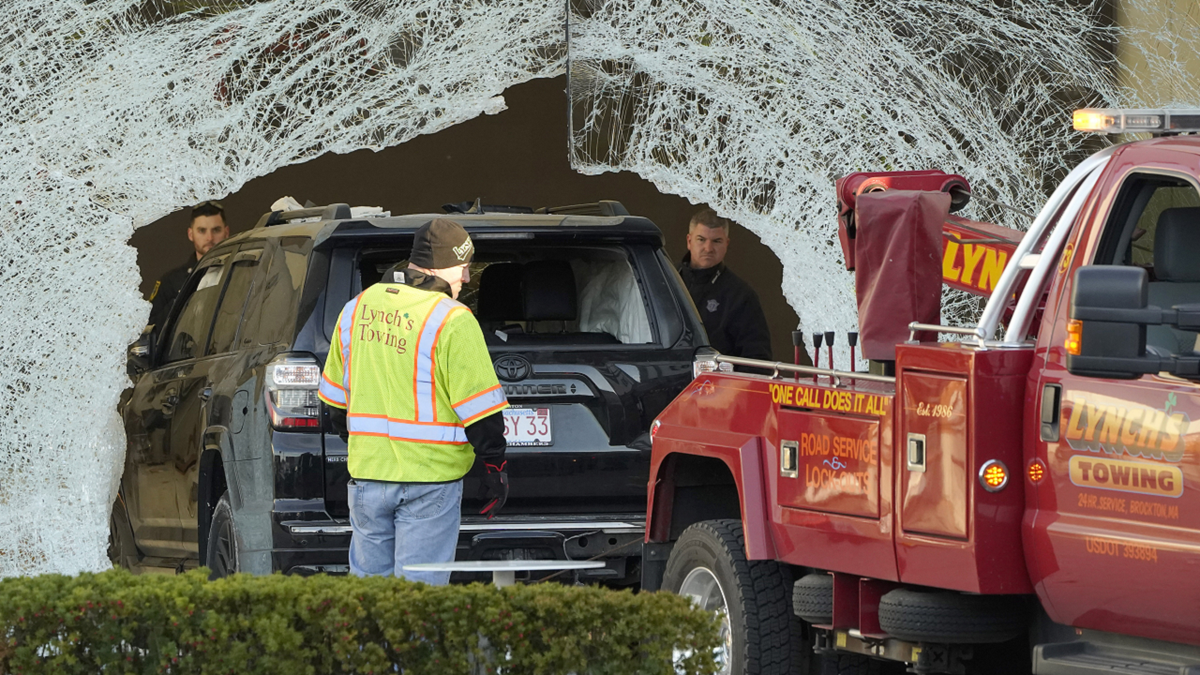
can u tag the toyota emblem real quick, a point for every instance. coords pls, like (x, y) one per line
(512, 368)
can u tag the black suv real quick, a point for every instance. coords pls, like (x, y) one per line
(231, 459)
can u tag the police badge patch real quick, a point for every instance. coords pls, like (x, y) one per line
(712, 305)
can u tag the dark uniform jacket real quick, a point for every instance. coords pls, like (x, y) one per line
(730, 309)
(165, 290)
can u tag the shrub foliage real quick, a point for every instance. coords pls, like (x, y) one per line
(115, 622)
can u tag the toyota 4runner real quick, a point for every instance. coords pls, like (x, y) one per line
(232, 461)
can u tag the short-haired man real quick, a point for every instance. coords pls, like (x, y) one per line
(207, 229)
(409, 368)
(730, 309)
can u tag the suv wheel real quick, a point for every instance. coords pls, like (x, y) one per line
(222, 559)
(759, 634)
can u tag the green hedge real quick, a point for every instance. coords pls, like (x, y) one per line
(114, 622)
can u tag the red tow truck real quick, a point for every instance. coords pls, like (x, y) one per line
(1023, 499)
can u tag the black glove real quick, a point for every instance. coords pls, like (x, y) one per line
(493, 489)
(337, 420)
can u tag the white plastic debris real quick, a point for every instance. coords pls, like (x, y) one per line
(286, 203)
(369, 212)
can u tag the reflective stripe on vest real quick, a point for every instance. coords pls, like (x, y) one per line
(424, 402)
(399, 430)
(331, 390)
(345, 326)
(471, 409)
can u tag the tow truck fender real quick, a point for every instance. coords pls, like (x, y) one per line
(741, 455)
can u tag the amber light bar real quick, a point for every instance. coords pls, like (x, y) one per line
(1115, 121)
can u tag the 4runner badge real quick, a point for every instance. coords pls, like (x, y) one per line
(512, 368)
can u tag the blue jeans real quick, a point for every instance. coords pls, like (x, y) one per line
(396, 524)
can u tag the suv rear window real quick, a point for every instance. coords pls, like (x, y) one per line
(560, 296)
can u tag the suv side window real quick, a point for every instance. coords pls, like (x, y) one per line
(271, 314)
(242, 267)
(192, 326)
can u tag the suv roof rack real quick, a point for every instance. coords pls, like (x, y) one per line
(477, 207)
(604, 207)
(331, 212)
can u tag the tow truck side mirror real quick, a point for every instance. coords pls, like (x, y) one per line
(1106, 336)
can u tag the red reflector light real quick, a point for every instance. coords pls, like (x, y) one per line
(1037, 471)
(299, 423)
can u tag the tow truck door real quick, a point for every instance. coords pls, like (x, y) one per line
(1112, 532)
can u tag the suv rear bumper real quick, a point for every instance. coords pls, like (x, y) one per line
(322, 546)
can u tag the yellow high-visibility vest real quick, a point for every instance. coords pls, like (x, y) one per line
(412, 371)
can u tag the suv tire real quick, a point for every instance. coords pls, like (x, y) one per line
(222, 558)
(760, 635)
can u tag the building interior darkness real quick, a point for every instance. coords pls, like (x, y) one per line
(517, 157)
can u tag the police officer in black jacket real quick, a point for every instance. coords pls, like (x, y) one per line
(206, 230)
(730, 309)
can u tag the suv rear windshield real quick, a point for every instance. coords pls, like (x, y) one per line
(545, 296)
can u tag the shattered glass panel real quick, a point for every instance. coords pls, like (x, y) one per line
(117, 113)
(758, 107)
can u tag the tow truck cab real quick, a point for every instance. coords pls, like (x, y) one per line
(1033, 484)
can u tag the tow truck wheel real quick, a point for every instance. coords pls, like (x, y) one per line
(222, 541)
(759, 634)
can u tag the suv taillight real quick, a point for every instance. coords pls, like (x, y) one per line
(291, 391)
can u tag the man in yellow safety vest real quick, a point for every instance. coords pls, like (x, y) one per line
(412, 385)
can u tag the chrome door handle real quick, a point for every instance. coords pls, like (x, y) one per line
(916, 452)
(1051, 408)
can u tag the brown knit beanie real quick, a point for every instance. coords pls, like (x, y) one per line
(441, 243)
